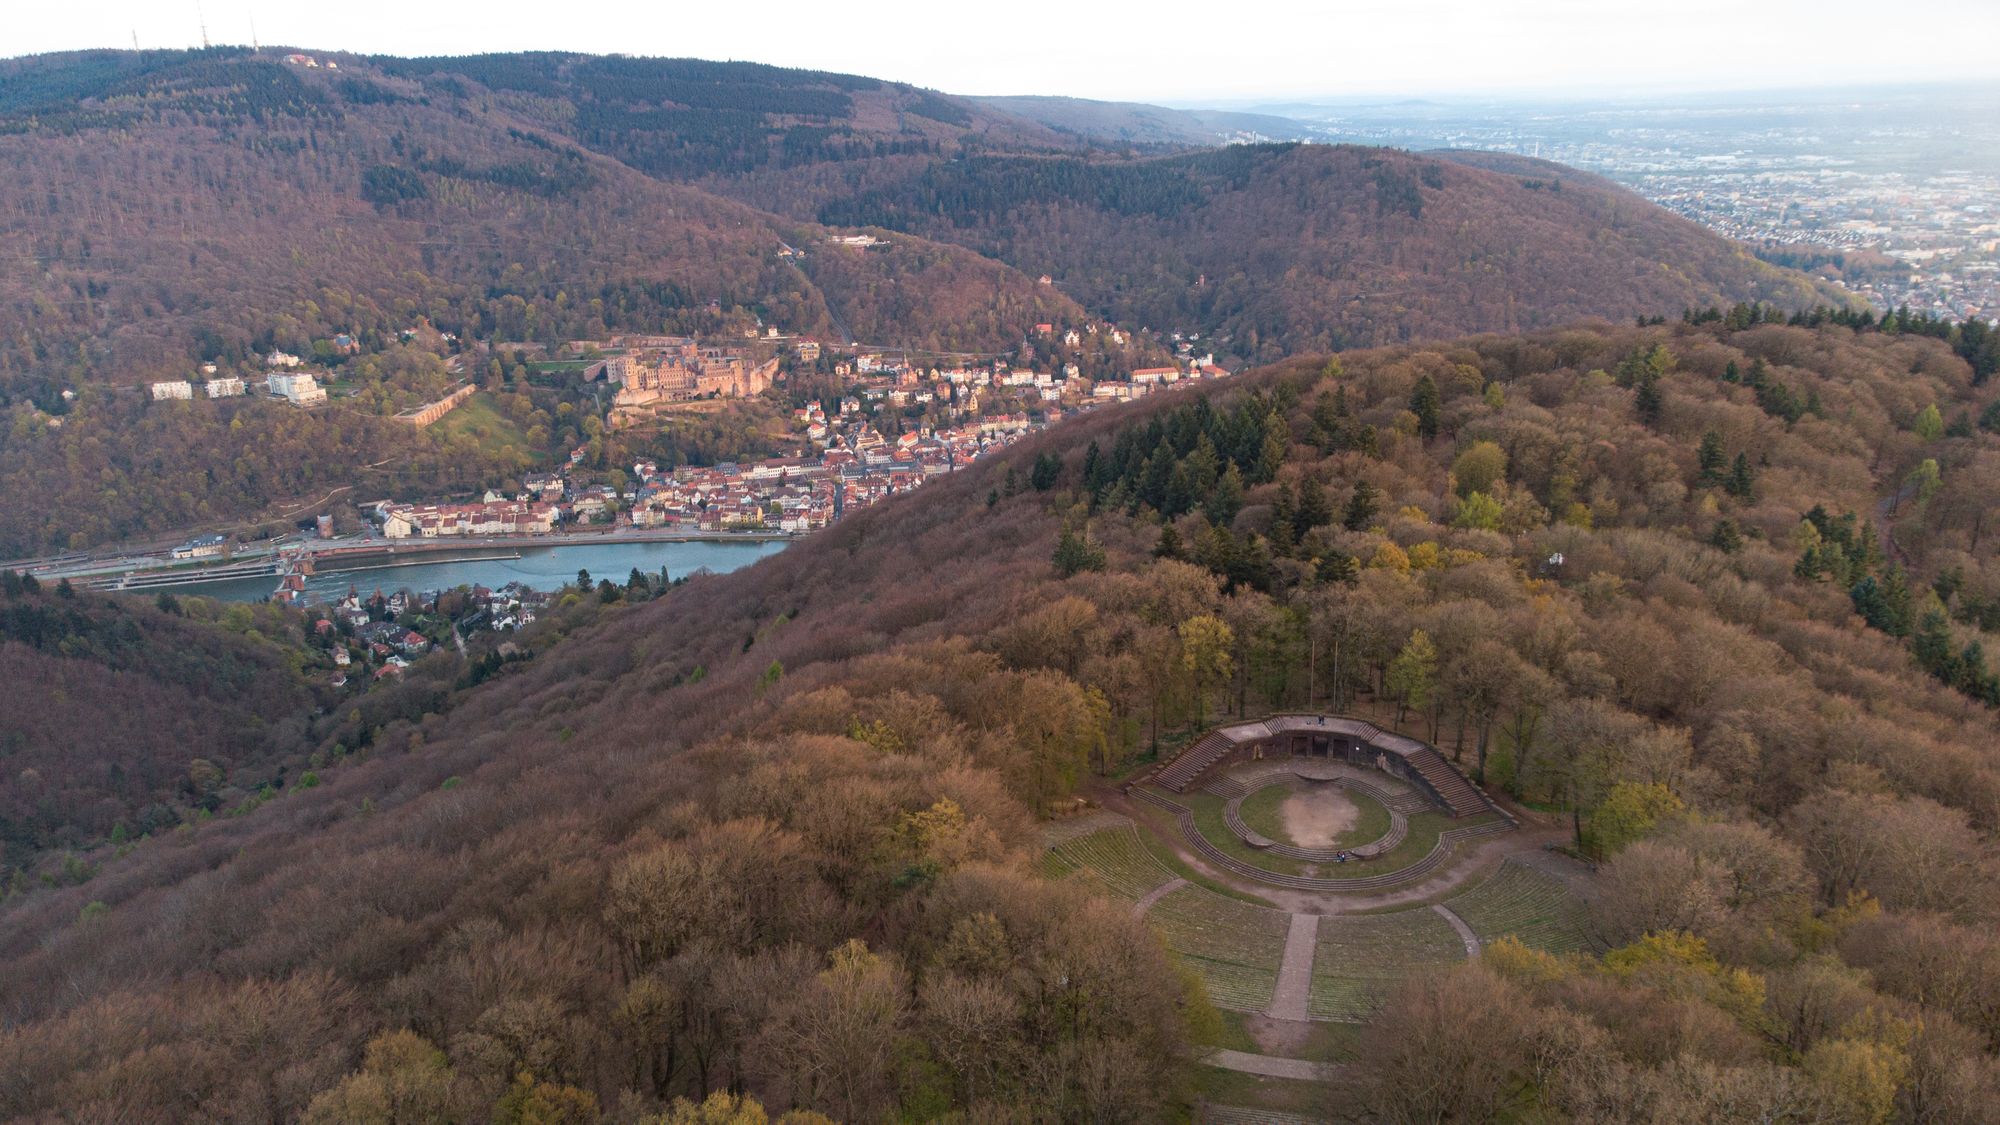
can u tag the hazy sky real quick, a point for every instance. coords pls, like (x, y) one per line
(1164, 50)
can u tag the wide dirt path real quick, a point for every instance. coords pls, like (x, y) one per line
(1271, 1066)
(1292, 999)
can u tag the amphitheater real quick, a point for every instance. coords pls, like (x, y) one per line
(1301, 865)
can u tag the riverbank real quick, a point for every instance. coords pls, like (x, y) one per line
(547, 565)
(137, 572)
(341, 549)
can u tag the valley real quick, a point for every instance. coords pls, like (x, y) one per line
(761, 594)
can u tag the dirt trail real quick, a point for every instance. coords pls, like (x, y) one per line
(1292, 999)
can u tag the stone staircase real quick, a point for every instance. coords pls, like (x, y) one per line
(1227, 788)
(1458, 796)
(1192, 761)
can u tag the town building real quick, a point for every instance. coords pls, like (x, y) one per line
(437, 521)
(678, 370)
(177, 389)
(205, 547)
(299, 389)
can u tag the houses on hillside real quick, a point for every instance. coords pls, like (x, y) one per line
(297, 388)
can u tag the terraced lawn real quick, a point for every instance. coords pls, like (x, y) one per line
(1116, 856)
(1235, 947)
(1527, 904)
(1261, 812)
(1361, 956)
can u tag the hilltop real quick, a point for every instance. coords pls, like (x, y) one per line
(1713, 592)
(1135, 123)
(169, 207)
(1278, 248)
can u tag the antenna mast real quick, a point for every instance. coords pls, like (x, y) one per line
(253, 33)
(202, 19)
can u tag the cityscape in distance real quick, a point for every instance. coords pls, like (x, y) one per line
(1894, 192)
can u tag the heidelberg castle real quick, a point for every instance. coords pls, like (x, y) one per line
(660, 369)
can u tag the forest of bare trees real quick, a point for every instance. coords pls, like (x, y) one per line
(775, 832)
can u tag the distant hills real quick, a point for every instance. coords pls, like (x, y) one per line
(161, 199)
(1138, 123)
(222, 200)
(1279, 247)
(168, 208)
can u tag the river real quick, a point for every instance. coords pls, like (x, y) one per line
(540, 568)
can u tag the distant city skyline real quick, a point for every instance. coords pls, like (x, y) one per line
(1172, 51)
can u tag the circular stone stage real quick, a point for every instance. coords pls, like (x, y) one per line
(1320, 793)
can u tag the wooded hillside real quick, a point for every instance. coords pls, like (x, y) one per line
(163, 207)
(229, 201)
(125, 717)
(1712, 591)
(1281, 248)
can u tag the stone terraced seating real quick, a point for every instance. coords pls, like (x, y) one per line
(1244, 1115)
(1185, 768)
(1403, 800)
(1520, 902)
(1226, 788)
(1442, 851)
(1459, 796)
(1234, 946)
(1360, 957)
(1117, 857)
(1248, 834)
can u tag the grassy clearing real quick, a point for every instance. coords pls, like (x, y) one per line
(1231, 1034)
(1424, 831)
(1260, 812)
(478, 419)
(1334, 1042)
(1423, 836)
(1324, 1042)
(1521, 902)
(1360, 957)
